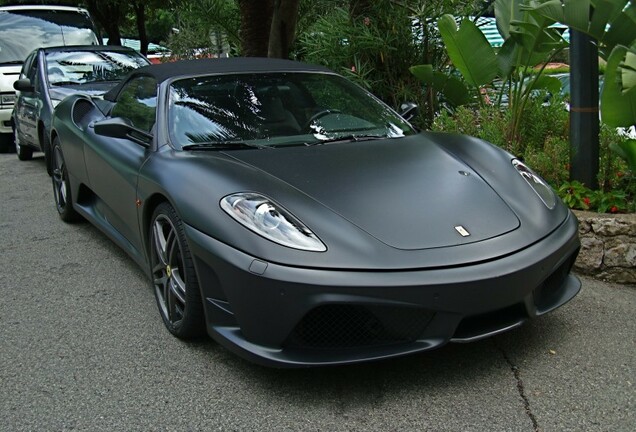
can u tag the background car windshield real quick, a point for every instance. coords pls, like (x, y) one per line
(276, 109)
(80, 67)
(22, 31)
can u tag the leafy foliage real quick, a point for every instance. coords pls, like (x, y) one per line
(613, 24)
(528, 42)
(375, 51)
(377, 48)
(202, 23)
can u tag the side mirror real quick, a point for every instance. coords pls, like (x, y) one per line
(119, 127)
(24, 85)
(408, 110)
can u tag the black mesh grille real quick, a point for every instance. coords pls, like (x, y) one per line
(80, 109)
(351, 326)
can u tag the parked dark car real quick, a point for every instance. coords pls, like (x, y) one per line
(300, 221)
(50, 74)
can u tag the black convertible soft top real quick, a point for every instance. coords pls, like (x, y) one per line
(164, 71)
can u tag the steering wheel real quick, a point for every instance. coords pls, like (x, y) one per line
(56, 71)
(320, 114)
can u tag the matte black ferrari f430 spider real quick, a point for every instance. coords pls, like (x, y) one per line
(299, 221)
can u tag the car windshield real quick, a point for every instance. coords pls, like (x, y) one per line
(22, 31)
(81, 67)
(276, 109)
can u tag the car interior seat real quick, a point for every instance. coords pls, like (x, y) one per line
(276, 119)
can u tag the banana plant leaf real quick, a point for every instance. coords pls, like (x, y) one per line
(469, 50)
(513, 55)
(536, 38)
(506, 11)
(618, 99)
(454, 91)
(546, 82)
(612, 22)
(627, 151)
(578, 13)
(622, 30)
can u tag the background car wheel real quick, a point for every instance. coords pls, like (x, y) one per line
(61, 186)
(46, 148)
(24, 153)
(6, 143)
(173, 274)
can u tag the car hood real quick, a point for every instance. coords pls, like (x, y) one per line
(90, 89)
(408, 193)
(8, 75)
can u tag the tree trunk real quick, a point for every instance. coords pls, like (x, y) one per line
(283, 29)
(256, 20)
(108, 16)
(140, 12)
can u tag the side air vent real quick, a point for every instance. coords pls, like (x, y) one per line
(81, 108)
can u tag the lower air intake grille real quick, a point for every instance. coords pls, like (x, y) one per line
(352, 326)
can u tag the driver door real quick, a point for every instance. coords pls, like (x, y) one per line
(28, 104)
(113, 164)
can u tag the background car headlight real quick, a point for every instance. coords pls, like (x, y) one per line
(266, 218)
(537, 184)
(7, 99)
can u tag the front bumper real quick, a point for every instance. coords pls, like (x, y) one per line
(292, 317)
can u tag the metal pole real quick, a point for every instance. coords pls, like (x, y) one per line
(584, 111)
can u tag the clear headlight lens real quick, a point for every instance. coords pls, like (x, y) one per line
(266, 218)
(537, 184)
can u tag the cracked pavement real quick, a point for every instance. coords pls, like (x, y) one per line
(82, 347)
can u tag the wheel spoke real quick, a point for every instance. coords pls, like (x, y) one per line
(160, 242)
(63, 192)
(171, 244)
(169, 301)
(161, 280)
(177, 285)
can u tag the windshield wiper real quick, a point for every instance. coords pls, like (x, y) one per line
(348, 138)
(12, 62)
(65, 83)
(222, 145)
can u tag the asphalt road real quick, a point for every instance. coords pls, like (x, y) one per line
(82, 347)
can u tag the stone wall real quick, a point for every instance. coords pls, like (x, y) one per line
(608, 246)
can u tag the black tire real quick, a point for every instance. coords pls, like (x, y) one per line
(6, 143)
(174, 278)
(24, 153)
(45, 144)
(61, 186)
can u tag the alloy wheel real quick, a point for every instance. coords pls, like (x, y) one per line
(60, 188)
(168, 270)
